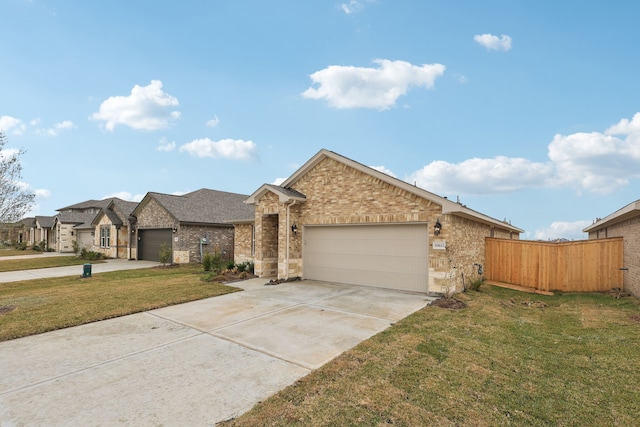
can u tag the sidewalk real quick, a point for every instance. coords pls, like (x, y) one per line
(74, 270)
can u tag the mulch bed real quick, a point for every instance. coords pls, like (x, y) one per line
(451, 303)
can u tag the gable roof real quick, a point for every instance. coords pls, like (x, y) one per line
(118, 211)
(88, 204)
(448, 207)
(80, 219)
(45, 221)
(623, 214)
(203, 206)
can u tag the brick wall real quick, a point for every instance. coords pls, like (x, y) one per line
(186, 239)
(339, 194)
(243, 243)
(629, 230)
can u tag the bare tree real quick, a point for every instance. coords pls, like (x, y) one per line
(15, 198)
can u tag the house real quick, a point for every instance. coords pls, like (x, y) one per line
(190, 225)
(112, 229)
(19, 232)
(42, 233)
(624, 223)
(75, 223)
(337, 220)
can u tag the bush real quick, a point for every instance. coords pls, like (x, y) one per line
(230, 265)
(212, 261)
(165, 254)
(474, 285)
(91, 255)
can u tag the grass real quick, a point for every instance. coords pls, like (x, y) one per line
(33, 263)
(507, 359)
(15, 252)
(36, 306)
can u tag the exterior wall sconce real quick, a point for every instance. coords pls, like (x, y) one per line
(437, 227)
(294, 229)
(174, 229)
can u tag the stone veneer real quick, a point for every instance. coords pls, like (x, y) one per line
(629, 230)
(339, 194)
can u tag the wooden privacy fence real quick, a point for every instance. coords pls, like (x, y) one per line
(578, 266)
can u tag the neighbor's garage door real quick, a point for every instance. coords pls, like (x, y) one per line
(389, 256)
(149, 242)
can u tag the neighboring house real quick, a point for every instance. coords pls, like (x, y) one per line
(190, 225)
(112, 230)
(623, 223)
(17, 232)
(337, 220)
(43, 231)
(74, 223)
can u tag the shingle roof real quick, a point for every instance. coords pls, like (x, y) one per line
(204, 206)
(630, 211)
(81, 219)
(45, 221)
(89, 204)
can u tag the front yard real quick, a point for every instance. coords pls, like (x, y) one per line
(36, 306)
(507, 359)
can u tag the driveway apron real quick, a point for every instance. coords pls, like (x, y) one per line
(190, 364)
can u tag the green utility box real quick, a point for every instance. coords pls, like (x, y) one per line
(86, 270)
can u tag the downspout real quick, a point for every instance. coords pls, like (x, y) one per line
(286, 262)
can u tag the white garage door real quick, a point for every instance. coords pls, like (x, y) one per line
(389, 256)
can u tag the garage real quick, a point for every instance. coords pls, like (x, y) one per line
(149, 242)
(389, 256)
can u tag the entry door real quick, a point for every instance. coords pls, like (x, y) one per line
(391, 256)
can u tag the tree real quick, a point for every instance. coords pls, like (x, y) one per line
(15, 198)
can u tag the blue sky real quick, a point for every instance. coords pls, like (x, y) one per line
(523, 110)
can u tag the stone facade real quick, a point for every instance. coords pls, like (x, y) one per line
(338, 194)
(629, 230)
(118, 242)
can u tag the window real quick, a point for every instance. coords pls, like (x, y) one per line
(105, 237)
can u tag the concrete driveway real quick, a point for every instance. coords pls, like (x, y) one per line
(191, 364)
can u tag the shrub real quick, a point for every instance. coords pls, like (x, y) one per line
(230, 265)
(90, 255)
(76, 247)
(212, 261)
(165, 254)
(207, 261)
(474, 285)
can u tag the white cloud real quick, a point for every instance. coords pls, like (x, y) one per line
(213, 122)
(379, 88)
(354, 6)
(279, 181)
(384, 170)
(226, 148)
(479, 176)
(492, 42)
(165, 145)
(56, 129)
(563, 230)
(595, 162)
(147, 108)
(125, 195)
(12, 125)
(42, 193)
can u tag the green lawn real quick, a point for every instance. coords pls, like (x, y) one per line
(35, 306)
(507, 359)
(31, 263)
